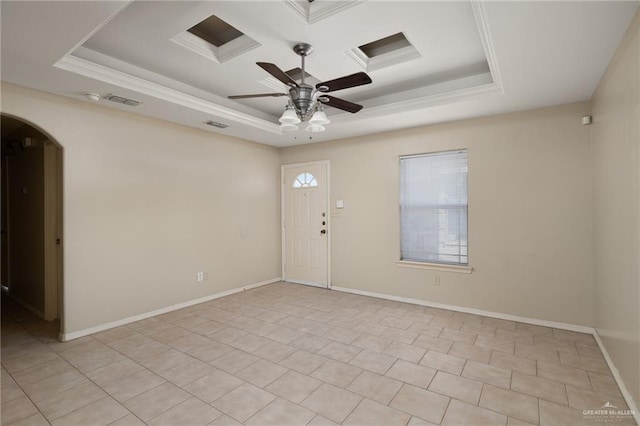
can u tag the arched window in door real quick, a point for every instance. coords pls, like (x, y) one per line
(305, 180)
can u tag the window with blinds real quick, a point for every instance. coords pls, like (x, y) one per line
(433, 208)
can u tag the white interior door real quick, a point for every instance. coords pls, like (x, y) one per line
(306, 223)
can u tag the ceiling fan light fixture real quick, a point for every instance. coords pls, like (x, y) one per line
(319, 118)
(287, 127)
(289, 116)
(314, 128)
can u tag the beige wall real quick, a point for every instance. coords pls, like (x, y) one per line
(530, 239)
(25, 224)
(616, 150)
(147, 204)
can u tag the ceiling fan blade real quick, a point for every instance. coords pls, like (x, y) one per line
(257, 95)
(340, 104)
(353, 80)
(277, 73)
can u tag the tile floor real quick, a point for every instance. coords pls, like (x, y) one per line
(287, 354)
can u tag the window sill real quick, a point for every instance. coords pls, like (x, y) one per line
(434, 266)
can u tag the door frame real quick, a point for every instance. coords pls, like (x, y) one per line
(283, 238)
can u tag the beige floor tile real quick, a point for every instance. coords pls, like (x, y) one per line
(156, 401)
(512, 421)
(564, 374)
(416, 421)
(486, 373)
(471, 352)
(518, 336)
(190, 342)
(303, 362)
(371, 329)
(165, 360)
(496, 344)
(373, 413)
(243, 402)
(604, 383)
(574, 336)
(192, 412)
(213, 386)
(514, 404)
(224, 420)
(274, 351)
(210, 351)
(310, 343)
(321, 421)
(101, 412)
(421, 403)
(285, 335)
(227, 335)
(512, 362)
(372, 343)
(29, 360)
(378, 363)
(342, 334)
(539, 387)
(183, 374)
(374, 386)
(458, 335)
(234, 361)
(524, 350)
(553, 415)
(35, 420)
(130, 343)
(411, 373)
(401, 323)
(293, 386)
(128, 420)
(535, 329)
(439, 361)
(92, 359)
(456, 387)
(249, 343)
(281, 412)
(130, 386)
(17, 409)
(450, 322)
(425, 329)
(115, 371)
(340, 351)
(332, 402)
(337, 373)
(584, 399)
(597, 365)
(462, 414)
(42, 371)
(411, 353)
(42, 389)
(589, 350)
(433, 343)
(402, 336)
(10, 391)
(567, 346)
(261, 373)
(63, 403)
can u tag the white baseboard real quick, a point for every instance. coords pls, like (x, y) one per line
(618, 378)
(499, 315)
(309, 283)
(64, 337)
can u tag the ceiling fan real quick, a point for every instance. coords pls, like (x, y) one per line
(306, 103)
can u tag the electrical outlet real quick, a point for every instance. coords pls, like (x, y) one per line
(436, 280)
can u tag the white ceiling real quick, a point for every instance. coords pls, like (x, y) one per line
(475, 58)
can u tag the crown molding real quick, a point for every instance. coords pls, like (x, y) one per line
(109, 75)
(487, 44)
(314, 12)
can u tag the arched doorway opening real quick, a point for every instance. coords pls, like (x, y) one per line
(31, 222)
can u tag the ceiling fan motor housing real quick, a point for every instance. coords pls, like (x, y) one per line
(302, 98)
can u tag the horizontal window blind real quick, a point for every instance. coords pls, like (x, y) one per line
(433, 208)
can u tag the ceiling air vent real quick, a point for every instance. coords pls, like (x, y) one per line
(391, 50)
(215, 39)
(215, 31)
(216, 124)
(121, 100)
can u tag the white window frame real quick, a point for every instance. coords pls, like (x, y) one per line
(438, 266)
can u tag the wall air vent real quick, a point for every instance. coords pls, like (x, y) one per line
(121, 100)
(384, 52)
(216, 124)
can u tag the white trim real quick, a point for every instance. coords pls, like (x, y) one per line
(216, 54)
(303, 282)
(618, 378)
(314, 12)
(283, 240)
(491, 314)
(64, 337)
(112, 76)
(487, 43)
(434, 266)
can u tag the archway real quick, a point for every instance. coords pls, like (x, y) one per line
(31, 218)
